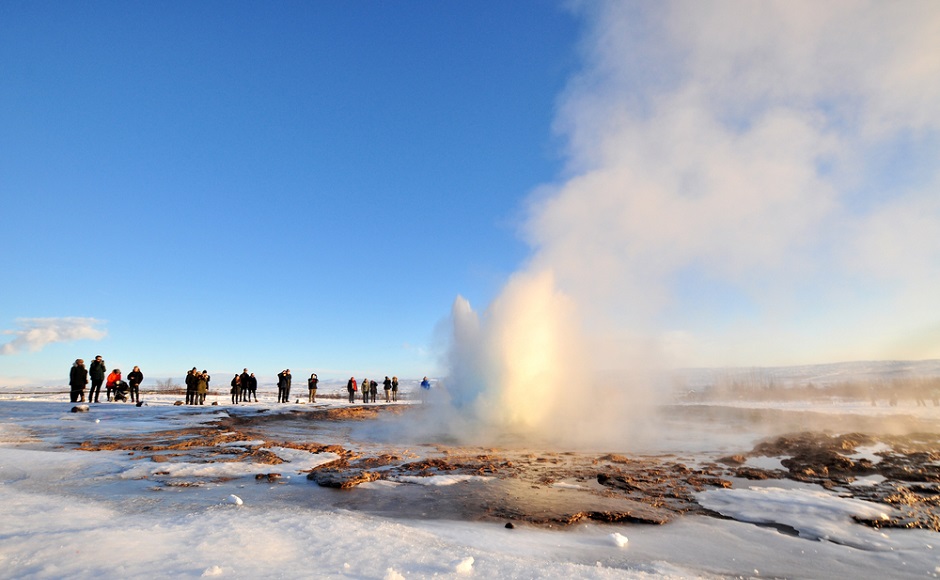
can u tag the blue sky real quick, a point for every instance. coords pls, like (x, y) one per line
(312, 185)
(230, 184)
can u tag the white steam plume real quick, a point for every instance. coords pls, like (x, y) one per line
(35, 333)
(750, 183)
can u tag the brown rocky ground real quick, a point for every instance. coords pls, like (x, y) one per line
(559, 488)
(908, 464)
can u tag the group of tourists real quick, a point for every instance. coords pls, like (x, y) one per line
(370, 389)
(244, 385)
(115, 385)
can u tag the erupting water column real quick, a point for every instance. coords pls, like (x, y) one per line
(512, 367)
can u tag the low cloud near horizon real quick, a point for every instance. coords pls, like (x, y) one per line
(34, 334)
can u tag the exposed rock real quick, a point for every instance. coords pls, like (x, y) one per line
(759, 474)
(614, 458)
(341, 479)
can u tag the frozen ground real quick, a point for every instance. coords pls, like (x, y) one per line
(72, 513)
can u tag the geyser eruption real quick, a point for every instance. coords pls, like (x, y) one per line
(522, 368)
(510, 366)
(748, 184)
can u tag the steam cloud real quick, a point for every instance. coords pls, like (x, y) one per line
(748, 183)
(36, 333)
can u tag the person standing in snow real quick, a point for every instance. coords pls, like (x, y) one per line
(312, 388)
(97, 372)
(425, 387)
(351, 388)
(283, 386)
(191, 379)
(202, 388)
(387, 386)
(236, 389)
(78, 380)
(395, 389)
(253, 387)
(245, 381)
(365, 390)
(134, 378)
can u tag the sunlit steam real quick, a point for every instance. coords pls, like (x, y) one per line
(747, 184)
(512, 365)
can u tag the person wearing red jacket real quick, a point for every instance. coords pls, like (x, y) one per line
(113, 379)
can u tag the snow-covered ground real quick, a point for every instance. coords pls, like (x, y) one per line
(77, 514)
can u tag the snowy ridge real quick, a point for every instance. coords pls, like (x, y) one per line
(818, 374)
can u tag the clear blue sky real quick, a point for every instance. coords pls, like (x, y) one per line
(312, 184)
(299, 184)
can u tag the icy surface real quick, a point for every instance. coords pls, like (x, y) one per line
(815, 515)
(58, 503)
(436, 480)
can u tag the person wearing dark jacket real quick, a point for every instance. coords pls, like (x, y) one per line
(236, 389)
(373, 389)
(312, 388)
(387, 384)
(395, 389)
(244, 380)
(191, 386)
(115, 384)
(78, 380)
(253, 387)
(97, 372)
(351, 388)
(283, 386)
(134, 378)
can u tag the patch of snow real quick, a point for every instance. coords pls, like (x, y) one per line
(620, 540)
(252, 443)
(379, 483)
(813, 514)
(436, 480)
(565, 485)
(297, 459)
(464, 566)
(868, 480)
(868, 452)
(763, 462)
